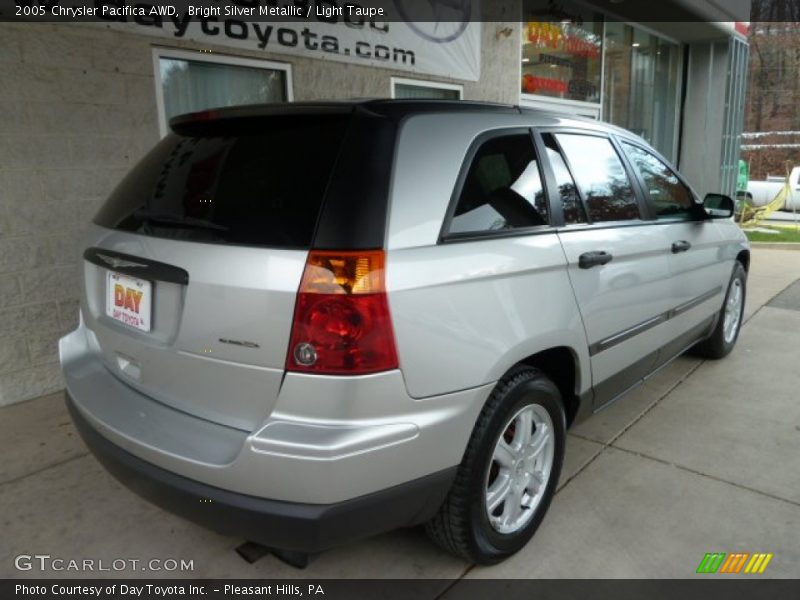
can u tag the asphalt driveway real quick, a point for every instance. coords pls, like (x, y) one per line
(705, 457)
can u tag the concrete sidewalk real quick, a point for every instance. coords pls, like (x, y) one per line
(705, 457)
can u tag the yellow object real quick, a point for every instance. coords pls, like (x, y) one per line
(752, 215)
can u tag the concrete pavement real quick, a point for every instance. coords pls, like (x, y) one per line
(704, 457)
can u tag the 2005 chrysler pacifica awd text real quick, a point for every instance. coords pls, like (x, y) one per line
(304, 324)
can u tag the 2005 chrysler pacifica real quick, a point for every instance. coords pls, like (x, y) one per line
(305, 324)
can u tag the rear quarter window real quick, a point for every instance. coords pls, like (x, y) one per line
(502, 189)
(260, 183)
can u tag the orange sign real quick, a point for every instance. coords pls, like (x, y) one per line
(551, 35)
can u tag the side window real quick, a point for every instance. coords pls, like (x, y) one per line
(671, 198)
(600, 176)
(568, 193)
(503, 189)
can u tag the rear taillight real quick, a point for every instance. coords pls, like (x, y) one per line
(341, 321)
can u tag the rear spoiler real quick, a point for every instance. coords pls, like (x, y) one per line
(195, 121)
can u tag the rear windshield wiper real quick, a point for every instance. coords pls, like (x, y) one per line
(168, 220)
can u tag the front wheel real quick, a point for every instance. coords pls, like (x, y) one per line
(729, 322)
(509, 473)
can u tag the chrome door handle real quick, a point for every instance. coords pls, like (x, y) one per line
(681, 246)
(587, 260)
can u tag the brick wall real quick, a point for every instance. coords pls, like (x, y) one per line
(78, 106)
(77, 112)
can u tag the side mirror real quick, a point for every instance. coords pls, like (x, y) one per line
(718, 206)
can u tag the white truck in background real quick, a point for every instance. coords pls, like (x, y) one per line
(761, 193)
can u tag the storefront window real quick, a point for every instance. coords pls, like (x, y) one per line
(194, 84)
(562, 58)
(641, 83)
(417, 89)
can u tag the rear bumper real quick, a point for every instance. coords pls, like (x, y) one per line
(325, 440)
(278, 524)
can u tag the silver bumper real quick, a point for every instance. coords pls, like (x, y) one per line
(328, 439)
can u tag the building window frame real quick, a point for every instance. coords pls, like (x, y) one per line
(160, 52)
(672, 156)
(583, 108)
(595, 110)
(436, 85)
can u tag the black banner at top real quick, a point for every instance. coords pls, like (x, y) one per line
(430, 11)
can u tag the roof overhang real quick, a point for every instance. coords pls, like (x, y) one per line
(683, 20)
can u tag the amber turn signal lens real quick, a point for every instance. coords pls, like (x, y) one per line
(344, 273)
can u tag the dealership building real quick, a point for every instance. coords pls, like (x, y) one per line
(82, 102)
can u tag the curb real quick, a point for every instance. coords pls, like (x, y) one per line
(776, 245)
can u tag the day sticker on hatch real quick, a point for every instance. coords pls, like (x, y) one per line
(129, 300)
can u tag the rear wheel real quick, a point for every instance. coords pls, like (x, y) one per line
(509, 473)
(725, 334)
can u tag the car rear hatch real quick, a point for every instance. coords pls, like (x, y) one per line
(193, 264)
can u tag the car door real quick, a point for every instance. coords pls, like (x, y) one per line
(617, 263)
(699, 273)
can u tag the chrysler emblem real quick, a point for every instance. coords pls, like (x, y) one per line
(118, 262)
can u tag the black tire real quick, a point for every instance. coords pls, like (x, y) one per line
(715, 346)
(462, 524)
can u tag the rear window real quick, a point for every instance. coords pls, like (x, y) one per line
(256, 183)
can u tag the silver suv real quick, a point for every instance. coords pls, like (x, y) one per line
(305, 324)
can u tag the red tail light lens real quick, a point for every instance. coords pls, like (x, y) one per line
(341, 321)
